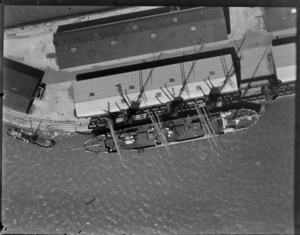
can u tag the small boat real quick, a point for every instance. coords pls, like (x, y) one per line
(30, 137)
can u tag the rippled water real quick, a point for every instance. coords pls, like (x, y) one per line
(245, 185)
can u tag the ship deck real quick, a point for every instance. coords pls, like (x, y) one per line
(184, 129)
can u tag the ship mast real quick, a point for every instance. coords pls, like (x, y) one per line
(112, 131)
(159, 130)
(207, 126)
(185, 80)
(143, 85)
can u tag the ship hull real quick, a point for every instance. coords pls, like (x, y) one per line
(176, 131)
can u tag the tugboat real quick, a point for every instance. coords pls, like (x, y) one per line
(30, 137)
(159, 133)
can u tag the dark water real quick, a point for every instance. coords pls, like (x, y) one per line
(244, 186)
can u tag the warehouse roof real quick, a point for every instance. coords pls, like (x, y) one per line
(115, 18)
(92, 96)
(279, 18)
(20, 84)
(139, 36)
(285, 61)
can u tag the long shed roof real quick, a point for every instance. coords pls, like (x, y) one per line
(139, 36)
(92, 96)
(20, 84)
(285, 61)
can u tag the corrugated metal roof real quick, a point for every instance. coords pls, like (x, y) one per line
(20, 84)
(285, 61)
(17, 102)
(133, 38)
(106, 86)
(21, 79)
(91, 96)
(287, 73)
(279, 18)
(116, 18)
(99, 106)
(284, 55)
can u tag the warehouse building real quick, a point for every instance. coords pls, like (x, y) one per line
(78, 46)
(21, 85)
(97, 95)
(284, 56)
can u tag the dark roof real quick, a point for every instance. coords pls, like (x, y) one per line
(283, 41)
(20, 83)
(17, 102)
(279, 18)
(114, 19)
(93, 44)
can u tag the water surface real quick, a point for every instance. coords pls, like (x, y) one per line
(245, 185)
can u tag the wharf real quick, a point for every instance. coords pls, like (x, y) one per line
(32, 45)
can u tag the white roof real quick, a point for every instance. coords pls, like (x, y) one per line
(284, 55)
(104, 89)
(285, 61)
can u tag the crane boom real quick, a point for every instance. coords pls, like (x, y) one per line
(112, 131)
(187, 77)
(149, 76)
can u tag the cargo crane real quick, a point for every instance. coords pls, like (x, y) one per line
(159, 130)
(204, 118)
(134, 105)
(177, 103)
